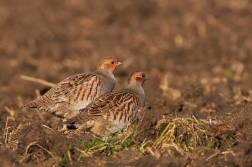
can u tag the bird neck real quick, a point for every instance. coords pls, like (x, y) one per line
(105, 72)
(109, 79)
(137, 88)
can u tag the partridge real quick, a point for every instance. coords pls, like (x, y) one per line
(111, 112)
(75, 92)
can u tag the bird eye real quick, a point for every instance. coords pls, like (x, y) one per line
(112, 62)
(143, 76)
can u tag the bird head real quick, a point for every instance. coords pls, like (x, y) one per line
(110, 64)
(137, 77)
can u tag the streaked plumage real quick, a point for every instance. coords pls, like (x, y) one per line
(111, 112)
(77, 91)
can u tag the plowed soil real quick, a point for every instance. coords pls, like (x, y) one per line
(197, 54)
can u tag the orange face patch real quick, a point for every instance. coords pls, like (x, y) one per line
(109, 63)
(138, 76)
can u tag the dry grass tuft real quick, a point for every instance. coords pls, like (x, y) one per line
(187, 133)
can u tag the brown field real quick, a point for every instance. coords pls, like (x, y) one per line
(197, 54)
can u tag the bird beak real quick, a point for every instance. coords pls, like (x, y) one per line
(119, 63)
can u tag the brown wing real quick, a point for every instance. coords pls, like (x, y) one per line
(77, 87)
(123, 107)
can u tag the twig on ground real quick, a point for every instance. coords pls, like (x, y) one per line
(10, 111)
(82, 153)
(6, 129)
(232, 152)
(69, 157)
(214, 155)
(37, 80)
(153, 152)
(46, 127)
(194, 118)
(36, 144)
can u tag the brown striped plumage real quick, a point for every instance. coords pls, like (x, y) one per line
(77, 91)
(111, 112)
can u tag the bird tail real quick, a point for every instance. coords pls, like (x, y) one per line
(32, 104)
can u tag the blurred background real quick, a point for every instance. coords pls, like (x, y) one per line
(197, 54)
(177, 43)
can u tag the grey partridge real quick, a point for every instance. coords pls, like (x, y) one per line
(75, 92)
(111, 112)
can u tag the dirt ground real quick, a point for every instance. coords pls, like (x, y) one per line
(197, 54)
